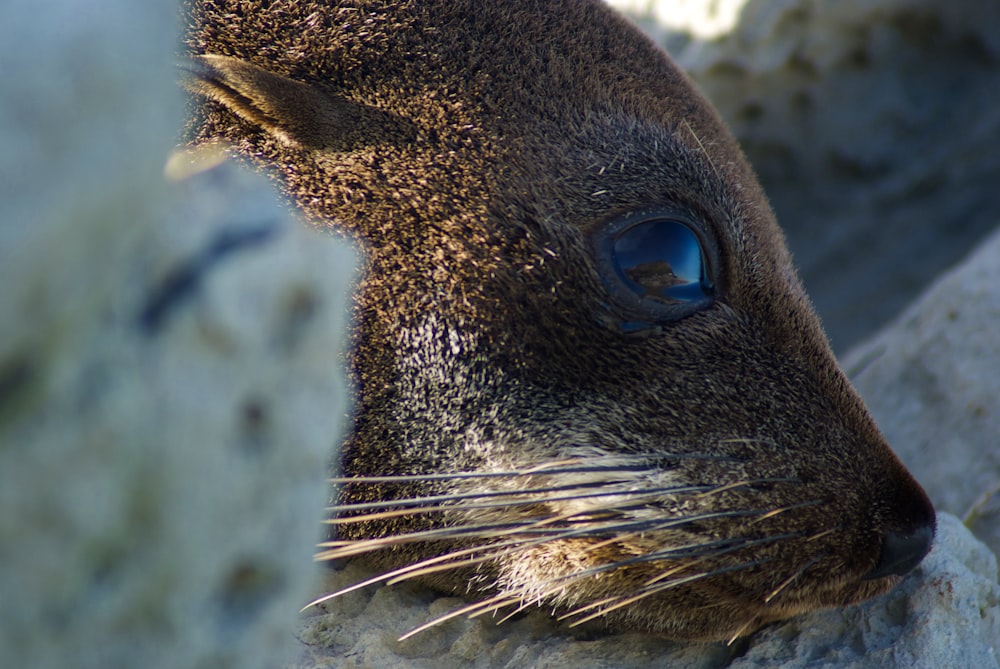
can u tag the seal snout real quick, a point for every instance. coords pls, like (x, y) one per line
(902, 551)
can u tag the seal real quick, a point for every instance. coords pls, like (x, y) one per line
(587, 375)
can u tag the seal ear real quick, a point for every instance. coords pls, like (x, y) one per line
(294, 112)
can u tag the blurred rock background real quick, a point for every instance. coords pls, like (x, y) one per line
(170, 383)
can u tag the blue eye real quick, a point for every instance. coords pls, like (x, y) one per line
(657, 268)
(662, 260)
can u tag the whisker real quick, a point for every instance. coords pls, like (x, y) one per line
(745, 627)
(588, 607)
(493, 603)
(416, 501)
(555, 583)
(395, 512)
(420, 570)
(586, 527)
(738, 546)
(703, 150)
(495, 551)
(785, 509)
(423, 567)
(696, 552)
(571, 466)
(351, 588)
(820, 535)
(665, 523)
(567, 466)
(660, 587)
(430, 503)
(497, 540)
(749, 440)
(499, 550)
(524, 605)
(791, 579)
(591, 528)
(734, 485)
(350, 547)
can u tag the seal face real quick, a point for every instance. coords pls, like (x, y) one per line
(587, 374)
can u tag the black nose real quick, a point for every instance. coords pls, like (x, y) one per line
(902, 551)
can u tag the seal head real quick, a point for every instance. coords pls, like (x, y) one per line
(587, 374)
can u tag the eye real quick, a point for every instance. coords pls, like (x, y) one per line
(657, 268)
(662, 261)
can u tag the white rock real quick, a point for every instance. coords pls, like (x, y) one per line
(698, 18)
(170, 386)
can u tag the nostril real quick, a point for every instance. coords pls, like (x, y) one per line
(902, 551)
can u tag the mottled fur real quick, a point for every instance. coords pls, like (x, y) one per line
(472, 148)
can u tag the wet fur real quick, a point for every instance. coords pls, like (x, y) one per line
(699, 480)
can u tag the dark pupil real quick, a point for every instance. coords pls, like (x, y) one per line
(662, 260)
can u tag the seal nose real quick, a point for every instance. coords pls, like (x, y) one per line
(902, 551)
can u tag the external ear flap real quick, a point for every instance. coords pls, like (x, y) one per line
(295, 113)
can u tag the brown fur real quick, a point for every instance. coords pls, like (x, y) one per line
(475, 149)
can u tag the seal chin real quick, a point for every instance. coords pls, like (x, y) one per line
(847, 594)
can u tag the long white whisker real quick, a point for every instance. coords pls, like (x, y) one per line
(567, 466)
(492, 603)
(501, 503)
(350, 547)
(609, 524)
(791, 579)
(748, 625)
(430, 565)
(458, 497)
(570, 466)
(786, 509)
(692, 554)
(660, 587)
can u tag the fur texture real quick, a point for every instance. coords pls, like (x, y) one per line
(697, 476)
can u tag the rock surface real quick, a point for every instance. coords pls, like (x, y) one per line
(170, 389)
